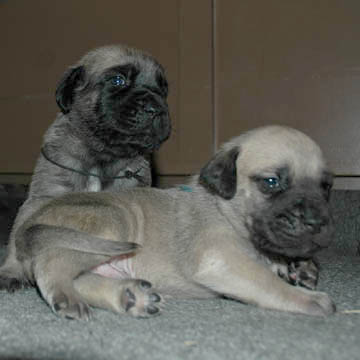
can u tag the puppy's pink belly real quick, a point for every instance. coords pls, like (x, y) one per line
(117, 268)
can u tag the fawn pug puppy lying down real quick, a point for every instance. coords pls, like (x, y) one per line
(239, 230)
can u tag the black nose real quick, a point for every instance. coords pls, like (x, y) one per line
(314, 224)
(148, 106)
(311, 214)
(151, 109)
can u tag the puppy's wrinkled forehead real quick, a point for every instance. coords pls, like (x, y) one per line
(269, 148)
(106, 57)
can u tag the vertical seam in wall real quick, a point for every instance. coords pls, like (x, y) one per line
(179, 69)
(214, 76)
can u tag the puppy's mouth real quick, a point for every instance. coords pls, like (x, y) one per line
(298, 230)
(146, 118)
(146, 132)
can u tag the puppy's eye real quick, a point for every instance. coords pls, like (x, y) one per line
(118, 80)
(271, 185)
(271, 182)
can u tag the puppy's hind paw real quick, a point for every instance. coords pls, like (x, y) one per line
(139, 300)
(10, 283)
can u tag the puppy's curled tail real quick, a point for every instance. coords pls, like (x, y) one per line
(41, 237)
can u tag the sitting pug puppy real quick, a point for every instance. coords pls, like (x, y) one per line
(114, 115)
(260, 203)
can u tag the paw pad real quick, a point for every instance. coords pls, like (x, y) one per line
(139, 300)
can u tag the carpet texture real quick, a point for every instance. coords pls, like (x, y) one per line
(198, 329)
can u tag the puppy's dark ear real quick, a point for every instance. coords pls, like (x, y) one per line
(219, 175)
(65, 90)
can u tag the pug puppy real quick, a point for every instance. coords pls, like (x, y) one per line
(261, 202)
(114, 115)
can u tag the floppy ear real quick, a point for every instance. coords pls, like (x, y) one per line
(65, 90)
(219, 175)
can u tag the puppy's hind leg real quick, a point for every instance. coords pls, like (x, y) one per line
(54, 272)
(131, 296)
(58, 255)
(12, 276)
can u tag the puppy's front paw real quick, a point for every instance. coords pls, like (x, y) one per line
(70, 307)
(319, 304)
(139, 300)
(303, 273)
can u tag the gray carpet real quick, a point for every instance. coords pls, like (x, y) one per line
(211, 329)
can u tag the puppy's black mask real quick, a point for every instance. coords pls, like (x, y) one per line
(130, 115)
(294, 221)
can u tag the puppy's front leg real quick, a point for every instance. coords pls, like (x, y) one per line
(229, 271)
(133, 296)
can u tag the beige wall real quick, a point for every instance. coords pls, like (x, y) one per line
(232, 65)
(294, 63)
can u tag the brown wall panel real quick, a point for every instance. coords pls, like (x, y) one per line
(287, 62)
(294, 63)
(23, 122)
(40, 39)
(191, 144)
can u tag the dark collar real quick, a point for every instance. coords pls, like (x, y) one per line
(127, 175)
(185, 188)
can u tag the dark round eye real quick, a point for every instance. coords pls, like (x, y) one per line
(118, 80)
(271, 182)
